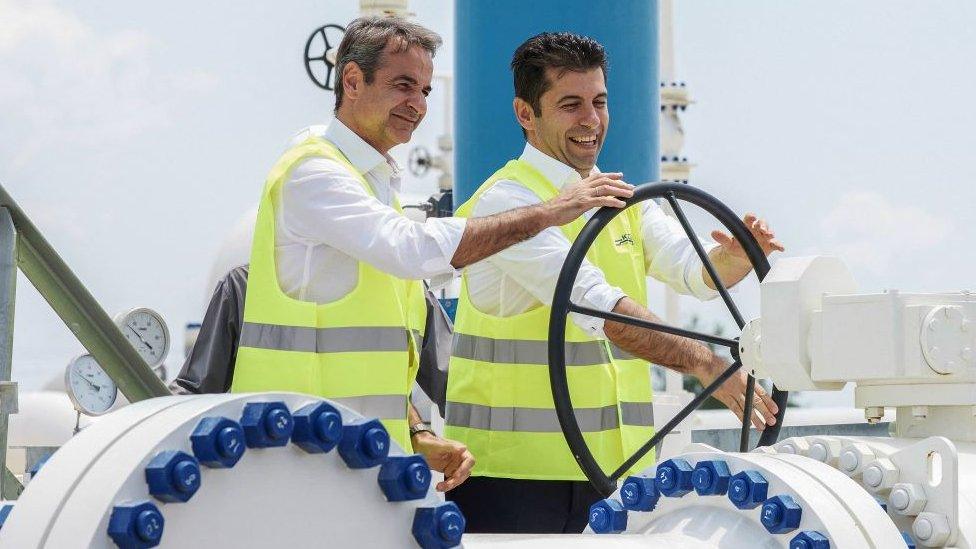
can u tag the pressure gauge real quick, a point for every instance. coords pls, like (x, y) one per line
(90, 389)
(147, 333)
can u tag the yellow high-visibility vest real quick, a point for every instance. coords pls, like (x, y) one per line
(361, 350)
(499, 401)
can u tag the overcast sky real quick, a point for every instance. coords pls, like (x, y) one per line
(137, 134)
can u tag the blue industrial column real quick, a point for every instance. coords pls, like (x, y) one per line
(486, 34)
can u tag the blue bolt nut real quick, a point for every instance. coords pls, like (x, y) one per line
(438, 527)
(218, 442)
(5, 510)
(365, 443)
(673, 477)
(173, 476)
(608, 516)
(318, 428)
(639, 493)
(747, 489)
(711, 478)
(136, 525)
(266, 424)
(780, 514)
(810, 539)
(404, 478)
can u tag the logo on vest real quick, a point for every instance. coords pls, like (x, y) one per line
(625, 239)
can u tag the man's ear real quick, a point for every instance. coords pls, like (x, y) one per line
(353, 80)
(524, 114)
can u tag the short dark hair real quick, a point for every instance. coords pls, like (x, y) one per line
(559, 50)
(367, 37)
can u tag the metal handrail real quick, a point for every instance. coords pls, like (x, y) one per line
(80, 312)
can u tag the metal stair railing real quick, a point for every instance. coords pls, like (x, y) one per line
(23, 246)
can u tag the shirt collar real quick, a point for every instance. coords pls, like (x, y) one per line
(556, 172)
(361, 154)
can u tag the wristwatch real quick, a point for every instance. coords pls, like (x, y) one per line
(419, 428)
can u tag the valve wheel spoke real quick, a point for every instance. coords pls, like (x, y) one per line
(642, 323)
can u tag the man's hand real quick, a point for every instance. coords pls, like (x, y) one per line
(760, 231)
(445, 456)
(732, 393)
(730, 259)
(597, 190)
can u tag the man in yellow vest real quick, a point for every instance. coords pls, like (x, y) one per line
(334, 306)
(498, 400)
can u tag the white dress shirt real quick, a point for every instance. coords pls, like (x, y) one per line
(327, 222)
(524, 275)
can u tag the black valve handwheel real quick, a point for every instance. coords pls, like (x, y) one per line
(419, 161)
(322, 34)
(562, 306)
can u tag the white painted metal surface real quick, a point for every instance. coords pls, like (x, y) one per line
(273, 497)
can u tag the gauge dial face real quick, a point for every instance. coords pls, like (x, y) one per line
(91, 390)
(147, 333)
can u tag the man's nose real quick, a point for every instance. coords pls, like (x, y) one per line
(589, 118)
(418, 102)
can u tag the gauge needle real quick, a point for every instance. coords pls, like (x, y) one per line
(148, 346)
(93, 386)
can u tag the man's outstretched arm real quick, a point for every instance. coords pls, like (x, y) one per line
(486, 236)
(688, 357)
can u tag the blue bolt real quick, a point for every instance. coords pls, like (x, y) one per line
(377, 442)
(747, 489)
(450, 526)
(711, 478)
(909, 542)
(278, 423)
(674, 477)
(780, 514)
(329, 426)
(266, 424)
(438, 527)
(173, 476)
(365, 443)
(5, 510)
(186, 476)
(318, 427)
(136, 525)
(608, 516)
(218, 442)
(149, 525)
(639, 493)
(404, 478)
(809, 539)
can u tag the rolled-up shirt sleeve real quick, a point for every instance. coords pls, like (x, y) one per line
(669, 255)
(325, 204)
(535, 263)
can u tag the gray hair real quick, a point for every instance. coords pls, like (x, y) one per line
(367, 37)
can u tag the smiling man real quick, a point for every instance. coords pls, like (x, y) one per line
(334, 303)
(498, 400)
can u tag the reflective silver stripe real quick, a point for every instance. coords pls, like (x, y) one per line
(637, 413)
(620, 354)
(323, 340)
(527, 420)
(522, 351)
(378, 406)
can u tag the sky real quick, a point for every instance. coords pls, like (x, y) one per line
(136, 135)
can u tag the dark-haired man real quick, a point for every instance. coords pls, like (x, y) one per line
(499, 402)
(334, 306)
